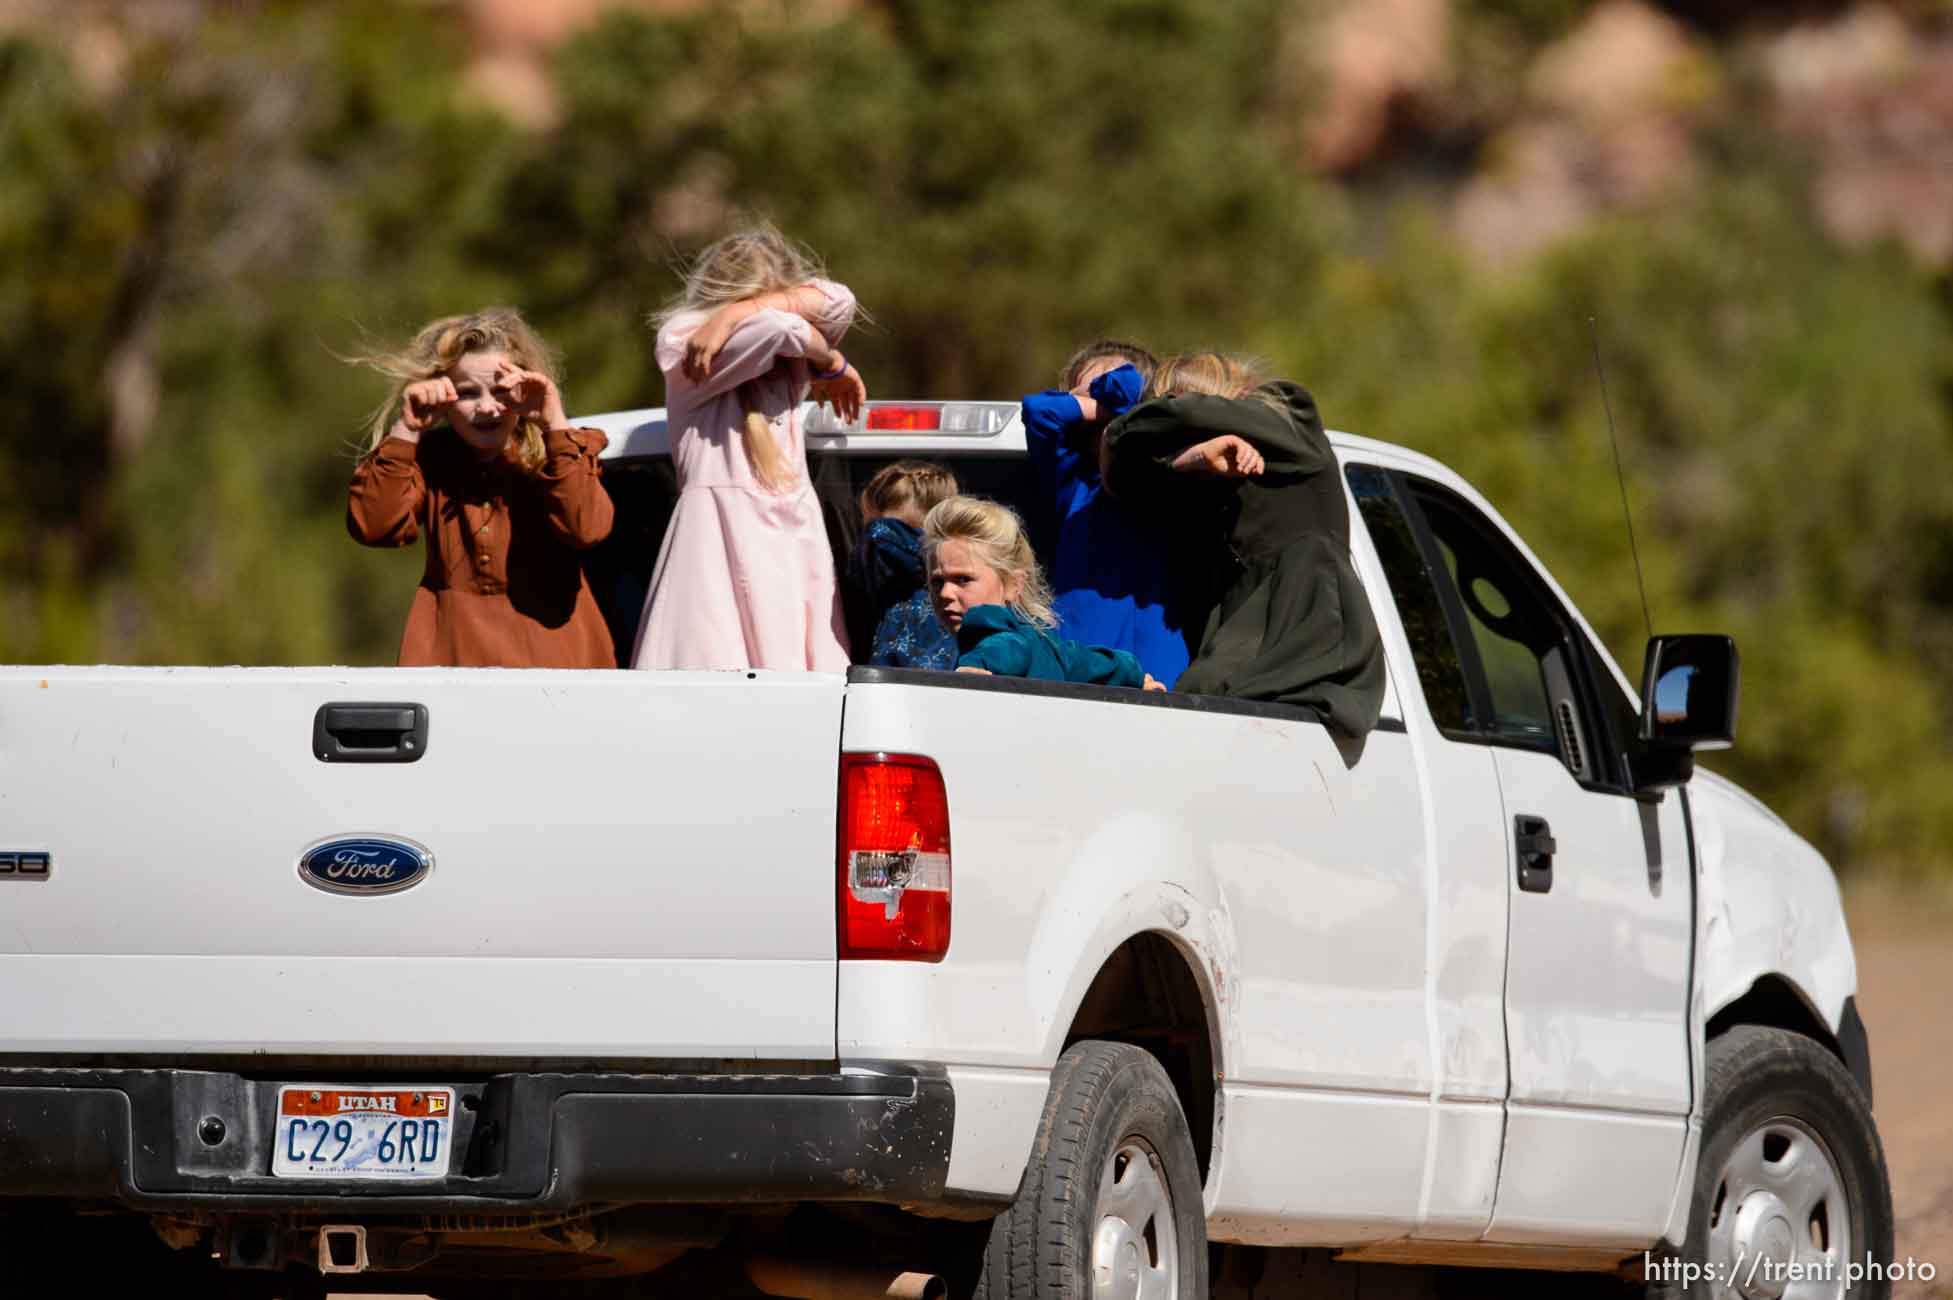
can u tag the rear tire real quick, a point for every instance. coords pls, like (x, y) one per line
(1791, 1179)
(1110, 1205)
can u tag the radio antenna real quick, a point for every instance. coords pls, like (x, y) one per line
(1593, 329)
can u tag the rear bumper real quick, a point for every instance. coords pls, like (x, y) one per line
(532, 1142)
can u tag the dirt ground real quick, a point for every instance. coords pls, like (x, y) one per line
(1905, 993)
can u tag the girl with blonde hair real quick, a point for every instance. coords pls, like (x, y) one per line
(745, 578)
(474, 452)
(990, 592)
(1260, 536)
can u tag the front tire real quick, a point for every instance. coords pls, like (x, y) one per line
(1110, 1205)
(1791, 1194)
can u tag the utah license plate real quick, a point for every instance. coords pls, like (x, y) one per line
(338, 1132)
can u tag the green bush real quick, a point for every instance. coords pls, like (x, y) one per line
(190, 252)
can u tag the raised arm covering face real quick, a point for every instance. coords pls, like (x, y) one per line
(1267, 558)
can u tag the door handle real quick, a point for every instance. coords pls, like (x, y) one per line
(369, 733)
(1534, 846)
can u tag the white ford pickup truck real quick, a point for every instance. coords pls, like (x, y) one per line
(797, 984)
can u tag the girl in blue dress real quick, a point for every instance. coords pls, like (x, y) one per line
(888, 565)
(1109, 569)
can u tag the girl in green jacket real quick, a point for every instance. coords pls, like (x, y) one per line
(1260, 525)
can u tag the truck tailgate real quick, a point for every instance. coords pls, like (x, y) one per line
(625, 866)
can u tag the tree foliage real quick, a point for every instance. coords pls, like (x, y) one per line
(272, 188)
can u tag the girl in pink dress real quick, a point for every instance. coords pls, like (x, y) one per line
(745, 578)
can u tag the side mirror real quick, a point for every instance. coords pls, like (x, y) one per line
(1688, 702)
(1688, 693)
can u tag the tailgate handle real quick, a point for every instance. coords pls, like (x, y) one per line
(369, 733)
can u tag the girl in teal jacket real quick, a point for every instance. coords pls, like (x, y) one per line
(989, 591)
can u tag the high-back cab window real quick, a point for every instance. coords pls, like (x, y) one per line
(645, 492)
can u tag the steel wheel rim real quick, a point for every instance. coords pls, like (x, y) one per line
(1135, 1252)
(1779, 1218)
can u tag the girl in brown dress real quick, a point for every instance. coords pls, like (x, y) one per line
(475, 453)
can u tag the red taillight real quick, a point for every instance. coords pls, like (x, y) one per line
(905, 417)
(894, 867)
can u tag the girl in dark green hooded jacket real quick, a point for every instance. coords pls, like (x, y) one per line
(1243, 477)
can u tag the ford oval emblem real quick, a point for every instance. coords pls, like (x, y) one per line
(365, 864)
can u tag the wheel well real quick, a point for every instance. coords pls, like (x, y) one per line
(1146, 994)
(1773, 1003)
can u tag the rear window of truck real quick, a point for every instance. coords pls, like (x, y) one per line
(644, 492)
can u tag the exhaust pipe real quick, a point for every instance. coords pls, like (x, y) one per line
(820, 1280)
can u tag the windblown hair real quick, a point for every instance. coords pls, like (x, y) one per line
(1215, 374)
(746, 264)
(921, 484)
(996, 535)
(440, 344)
(1098, 349)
